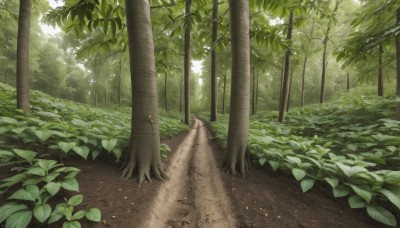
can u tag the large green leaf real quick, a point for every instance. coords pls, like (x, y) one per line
(72, 224)
(20, 219)
(332, 181)
(10, 208)
(66, 146)
(30, 193)
(299, 174)
(70, 184)
(362, 192)
(274, 165)
(391, 197)
(42, 212)
(356, 202)
(53, 187)
(307, 184)
(83, 151)
(27, 155)
(55, 216)
(94, 215)
(42, 135)
(109, 144)
(350, 171)
(75, 200)
(382, 215)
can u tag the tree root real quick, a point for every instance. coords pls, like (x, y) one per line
(131, 170)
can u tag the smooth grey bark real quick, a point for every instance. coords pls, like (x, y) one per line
(398, 65)
(223, 94)
(166, 93)
(236, 154)
(253, 92)
(143, 157)
(324, 54)
(24, 19)
(290, 89)
(187, 60)
(303, 81)
(214, 92)
(380, 72)
(285, 83)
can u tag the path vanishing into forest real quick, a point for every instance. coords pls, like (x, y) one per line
(194, 195)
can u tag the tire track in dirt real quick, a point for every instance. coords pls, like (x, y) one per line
(194, 194)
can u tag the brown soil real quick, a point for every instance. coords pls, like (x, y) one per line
(199, 194)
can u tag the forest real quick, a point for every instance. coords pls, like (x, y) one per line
(207, 113)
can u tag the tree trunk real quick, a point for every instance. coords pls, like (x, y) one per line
(180, 96)
(281, 88)
(290, 89)
(105, 96)
(166, 93)
(236, 154)
(187, 60)
(285, 84)
(223, 94)
(120, 82)
(256, 94)
(143, 157)
(398, 66)
(23, 55)
(303, 81)
(253, 93)
(348, 81)
(324, 63)
(213, 115)
(95, 96)
(380, 72)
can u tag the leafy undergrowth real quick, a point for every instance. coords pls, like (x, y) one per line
(61, 128)
(352, 145)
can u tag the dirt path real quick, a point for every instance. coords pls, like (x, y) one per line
(194, 195)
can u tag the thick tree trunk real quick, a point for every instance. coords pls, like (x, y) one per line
(143, 157)
(213, 115)
(166, 93)
(290, 89)
(380, 72)
(303, 81)
(23, 55)
(348, 80)
(187, 60)
(120, 82)
(236, 154)
(398, 66)
(324, 54)
(223, 94)
(285, 84)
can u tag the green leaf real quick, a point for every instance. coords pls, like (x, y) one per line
(83, 151)
(27, 155)
(363, 193)
(71, 224)
(55, 216)
(332, 181)
(262, 161)
(66, 146)
(307, 184)
(382, 215)
(391, 197)
(42, 212)
(75, 200)
(350, 171)
(95, 154)
(294, 160)
(70, 184)
(53, 188)
(356, 202)
(42, 135)
(274, 165)
(10, 208)
(36, 171)
(46, 164)
(299, 174)
(20, 219)
(94, 215)
(340, 191)
(30, 193)
(78, 215)
(109, 144)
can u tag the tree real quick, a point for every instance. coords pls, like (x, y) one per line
(213, 116)
(187, 60)
(143, 156)
(380, 72)
(23, 55)
(238, 132)
(398, 64)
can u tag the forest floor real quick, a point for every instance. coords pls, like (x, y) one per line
(199, 194)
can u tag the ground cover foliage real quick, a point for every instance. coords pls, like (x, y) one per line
(352, 145)
(32, 148)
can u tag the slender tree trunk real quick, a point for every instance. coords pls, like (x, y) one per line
(223, 94)
(257, 82)
(187, 60)
(398, 66)
(281, 88)
(213, 116)
(236, 157)
(348, 81)
(303, 81)
(143, 157)
(324, 55)
(380, 72)
(166, 94)
(253, 93)
(180, 96)
(23, 55)
(290, 89)
(285, 84)
(120, 82)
